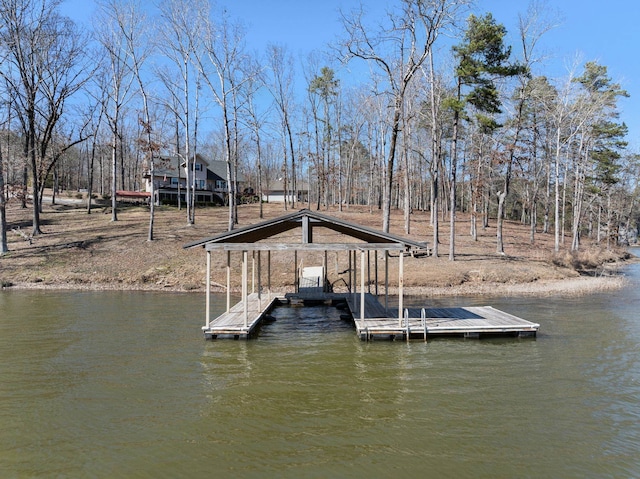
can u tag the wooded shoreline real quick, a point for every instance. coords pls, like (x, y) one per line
(89, 252)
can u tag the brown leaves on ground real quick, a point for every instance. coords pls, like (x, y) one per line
(78, 250)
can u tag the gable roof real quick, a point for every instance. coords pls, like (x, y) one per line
(306, 220)
(219, 170)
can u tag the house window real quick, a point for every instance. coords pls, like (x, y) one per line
(198, 166)
(221, 185)
(174, 181)
(200, 184)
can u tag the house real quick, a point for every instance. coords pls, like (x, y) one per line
(171, 177)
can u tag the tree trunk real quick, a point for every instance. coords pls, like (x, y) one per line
(388, 187)
(91, 173)
(502, 195)
(452, 186)
(4, 247)
(35, 186)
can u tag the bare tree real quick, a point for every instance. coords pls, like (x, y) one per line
(44, 66)
(4, 247)
(120, 72)
(280, 84)
(256, 120)
(220, 64)
(399, 48)
(182, 27)
(531, 28)
(133, 29)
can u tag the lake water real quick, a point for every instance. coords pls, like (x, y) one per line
(113, 384)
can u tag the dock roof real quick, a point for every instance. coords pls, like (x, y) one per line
(248, 237)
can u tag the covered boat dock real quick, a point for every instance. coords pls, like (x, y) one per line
(359, 282)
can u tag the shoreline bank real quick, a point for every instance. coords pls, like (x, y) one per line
(577, 286)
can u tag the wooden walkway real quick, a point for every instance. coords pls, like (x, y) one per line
(378, 322)
(424, 322)
(233, 322)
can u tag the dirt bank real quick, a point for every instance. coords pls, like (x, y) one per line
(80, 251)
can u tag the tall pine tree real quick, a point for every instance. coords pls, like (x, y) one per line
(482, 59)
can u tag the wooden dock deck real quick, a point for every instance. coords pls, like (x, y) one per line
(414, 323)
(232, 322)
(378, 322)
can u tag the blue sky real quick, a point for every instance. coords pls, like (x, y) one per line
(606, 32)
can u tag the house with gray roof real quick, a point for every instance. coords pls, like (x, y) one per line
(171, 177)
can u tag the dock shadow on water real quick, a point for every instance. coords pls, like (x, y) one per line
(297, 321)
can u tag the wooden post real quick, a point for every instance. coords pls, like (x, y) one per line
(375, 262)
(208, 296)
(362, 264)
(349, 275)
(325, 272)
(355, 275)
(228, 281)
(259, 279)
(386, 280)
(400, 286)
(245, 260)
(295, 271)
(253, 271)
(269, 273)
(369, 270)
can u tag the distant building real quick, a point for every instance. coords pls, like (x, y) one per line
(274, 192)
(171, 177)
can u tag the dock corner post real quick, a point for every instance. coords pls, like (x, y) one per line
(362, 265)
(386, 280)
(375, 261)
(245, 279)
(253, 271)
(400, 286)
(259, 279)
(269, 274)
(228, 281)
(208, 295)
(295, 271)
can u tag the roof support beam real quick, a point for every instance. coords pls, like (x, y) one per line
(304, 246)
(307, 232)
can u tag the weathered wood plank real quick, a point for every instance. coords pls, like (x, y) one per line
(470, 320)
(372, 307)
(232, 322)
(304, 246)
(379, 321)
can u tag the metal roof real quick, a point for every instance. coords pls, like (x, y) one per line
(306, 220)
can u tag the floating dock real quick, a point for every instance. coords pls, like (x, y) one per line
(241, 322)
(242, 319)
(422, 323)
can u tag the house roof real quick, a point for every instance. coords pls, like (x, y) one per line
(167, 166)
(173, 166)
(249, 236)
(219, 169)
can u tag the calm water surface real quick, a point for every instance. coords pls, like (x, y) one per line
(115, 384)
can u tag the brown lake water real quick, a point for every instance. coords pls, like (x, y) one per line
(114, 384)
